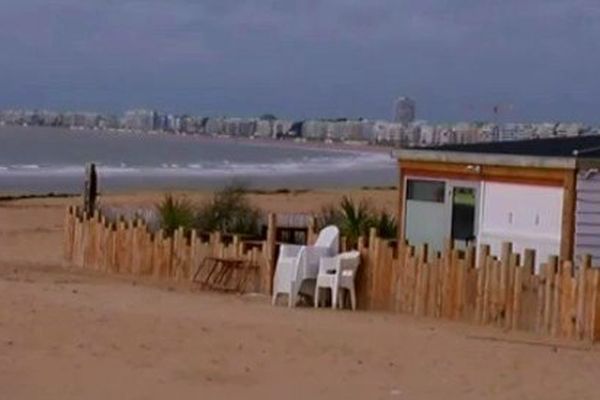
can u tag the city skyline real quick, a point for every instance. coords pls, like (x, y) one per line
(305, 59)
(401, 132)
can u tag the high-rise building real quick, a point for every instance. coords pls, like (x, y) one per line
(404, 110)
(141, 120)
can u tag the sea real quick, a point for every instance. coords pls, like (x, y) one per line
(37, 160)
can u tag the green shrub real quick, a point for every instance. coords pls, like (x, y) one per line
(329, 215)
(229, 211)
(175, 213)
(356, 219)
(386, 225)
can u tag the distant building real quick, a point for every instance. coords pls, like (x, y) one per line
(314, 129)
(141, 120)
(281, 127)
(405, 110)
(264, 128)
(214, 126)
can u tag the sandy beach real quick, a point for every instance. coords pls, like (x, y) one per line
(69, 334)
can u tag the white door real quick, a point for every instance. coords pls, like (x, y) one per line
(528, 216)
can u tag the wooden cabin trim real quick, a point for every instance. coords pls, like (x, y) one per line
(567, 236)
(528, 176)
(401, 205)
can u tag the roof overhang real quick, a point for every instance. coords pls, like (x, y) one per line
(510, 160)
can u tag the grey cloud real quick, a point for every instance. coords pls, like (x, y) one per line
(304, 57)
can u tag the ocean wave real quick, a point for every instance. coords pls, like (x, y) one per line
(24, 166)
(314, 165)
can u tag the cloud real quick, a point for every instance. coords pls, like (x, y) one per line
(304, 57)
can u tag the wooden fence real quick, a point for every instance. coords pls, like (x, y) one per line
(561, 301)
(128, 247)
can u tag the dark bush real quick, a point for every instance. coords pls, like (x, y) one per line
(356, 219)
(229, 211)
(175, 213)
(386, 225)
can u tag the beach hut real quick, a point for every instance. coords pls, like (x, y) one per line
(542, 194)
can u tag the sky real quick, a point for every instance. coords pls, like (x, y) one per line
(538, 59)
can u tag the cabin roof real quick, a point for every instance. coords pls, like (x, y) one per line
(574, 146)
(560, 152)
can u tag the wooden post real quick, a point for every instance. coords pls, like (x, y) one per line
(103, 253)
(470, 257)
(566, 289)
(549, 293)
(114, 248)
(541, 295)
(69, 233)
(408, 259)
(516, 292)
(461, 288)
(80, 234)
(514, 288)
(448, 267)
(86, 240)
(269, 248)
(487, 289)
(90, 193)
(504, 283)
(421, 281)
(373, 261)
(594, 304)
(433, 288)
(555, 328)
(572, 330)
(484, 253)
(529, 261)
(568, 215)
(127, 247)
(147, 255)
(586, 264)
(496, 307)
(167, 249)
(178, 272)
(194, 262)
(158, 255)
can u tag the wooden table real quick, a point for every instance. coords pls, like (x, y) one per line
(224, 274)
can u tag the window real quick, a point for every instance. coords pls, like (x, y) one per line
(423, 190)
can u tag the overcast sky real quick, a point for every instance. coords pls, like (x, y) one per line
(305, 58)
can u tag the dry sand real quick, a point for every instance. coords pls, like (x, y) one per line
(68, 334)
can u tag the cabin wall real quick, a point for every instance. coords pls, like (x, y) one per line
(529, 215)
(587, 215)
(540, 202)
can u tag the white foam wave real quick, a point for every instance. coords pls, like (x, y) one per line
(24, 166)
(311, 165)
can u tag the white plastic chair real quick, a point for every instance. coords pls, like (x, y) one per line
(336, 274)
(297, 266)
